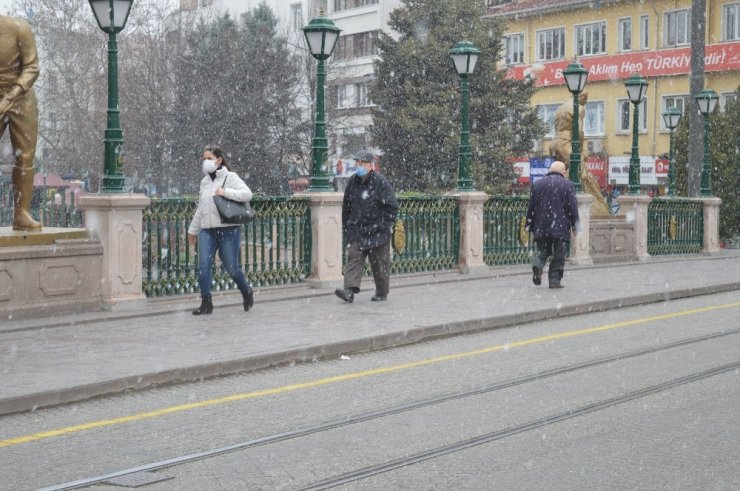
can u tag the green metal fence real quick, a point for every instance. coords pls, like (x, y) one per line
(504, 239)
(276, 246)
(675, 226)
(432, 230)
(53, 207)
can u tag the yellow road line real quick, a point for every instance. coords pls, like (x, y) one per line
(351, 376)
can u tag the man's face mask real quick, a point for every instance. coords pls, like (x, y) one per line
(362, 171)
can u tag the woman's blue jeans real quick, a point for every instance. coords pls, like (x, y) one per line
(226, 240)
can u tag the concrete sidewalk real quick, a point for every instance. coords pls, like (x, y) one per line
(70, 358)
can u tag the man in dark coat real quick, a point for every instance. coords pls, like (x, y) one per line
(552, 216)
(368, 214)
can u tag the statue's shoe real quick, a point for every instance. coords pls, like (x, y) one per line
(22, 220)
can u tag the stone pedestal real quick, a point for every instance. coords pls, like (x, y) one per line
(612, 239)
(635, 210)
(116, 220)
(580, 246)
(326, 239)
(40, 279)
(711, 224)
(471, 232)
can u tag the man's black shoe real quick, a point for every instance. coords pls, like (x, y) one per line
(345, 294)
(536, 275)
(379, 298)
(556, 285)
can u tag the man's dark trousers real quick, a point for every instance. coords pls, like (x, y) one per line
(556, 248)
(380, 264)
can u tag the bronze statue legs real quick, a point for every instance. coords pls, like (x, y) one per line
(22, 118)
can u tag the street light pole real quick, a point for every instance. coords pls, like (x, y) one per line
(465, 57)
(707, 100)
(321, 36)
(636, 88)
(575, 79)
(111, 16)
(672, 117)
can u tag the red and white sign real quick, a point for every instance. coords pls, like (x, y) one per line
(673, 61)
(661, 167)
(599, 168)
(619, 170)
(521, 167)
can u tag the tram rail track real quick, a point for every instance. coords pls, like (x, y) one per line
(447, 449)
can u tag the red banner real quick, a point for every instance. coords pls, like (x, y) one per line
(599, 168)
(674, 61)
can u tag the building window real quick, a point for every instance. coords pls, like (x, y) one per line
(514, 49)
(676, 28)
(593, 122)
(493, 3)
(363, 96)
(644, 32)
(296, 17)
(624, 124)
(344, 96)
(725, 98)
(546, 113)
(731, 21)
(355, 45)
(625, 34)
(590, 39)
(551, 44)
(340, 5)
(677, 101)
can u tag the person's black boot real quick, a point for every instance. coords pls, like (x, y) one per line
(206, 306)
(248, 297)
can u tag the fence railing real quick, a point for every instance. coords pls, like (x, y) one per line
(276, 246)
(504, 239)
(432, 227)
(53, 207)
(675, 226)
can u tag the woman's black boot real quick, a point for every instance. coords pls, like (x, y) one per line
(248, 297)
(206, 306)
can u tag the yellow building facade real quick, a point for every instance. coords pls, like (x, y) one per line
(613, 40)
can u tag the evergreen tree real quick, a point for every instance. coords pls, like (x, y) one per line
(724, 148)
(235, 89)
(417, 91)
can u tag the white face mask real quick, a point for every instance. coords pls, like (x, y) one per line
(209, 166)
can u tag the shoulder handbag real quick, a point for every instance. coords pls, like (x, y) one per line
(231, 211)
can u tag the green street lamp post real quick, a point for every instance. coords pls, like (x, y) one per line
(671, 118)
(111, 16)
(707, 100)
(321, 36)
(465, 57)
(575, 78)
(636, 89)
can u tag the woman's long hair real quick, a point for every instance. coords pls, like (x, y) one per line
(219, 153)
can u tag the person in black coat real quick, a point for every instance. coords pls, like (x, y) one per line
(368, 213)
(551, 217)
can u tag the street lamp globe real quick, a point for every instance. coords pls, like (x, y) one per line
(707, 100)
(111, 15)
(321, 36)
(465, 56)
(575, 77)
(636, 88)
(671, 118)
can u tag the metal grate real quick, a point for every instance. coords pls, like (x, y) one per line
(137, 479)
